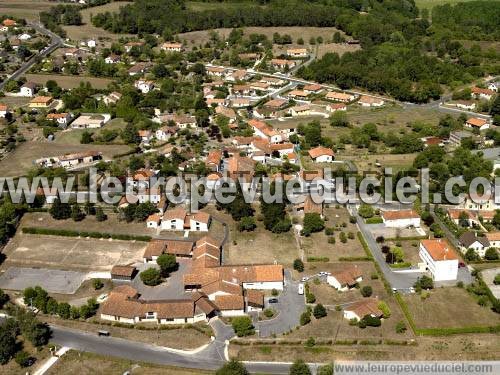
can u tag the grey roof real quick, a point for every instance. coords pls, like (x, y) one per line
(468, 238)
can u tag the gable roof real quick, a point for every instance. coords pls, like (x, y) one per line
(320, 151)
(439, 249)
(400, 215)
(468, 238)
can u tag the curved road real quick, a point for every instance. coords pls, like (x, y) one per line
(55, 42)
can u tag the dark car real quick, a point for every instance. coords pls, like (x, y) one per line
(273, 300)
(461, 264)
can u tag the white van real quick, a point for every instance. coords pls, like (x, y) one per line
(301, 288)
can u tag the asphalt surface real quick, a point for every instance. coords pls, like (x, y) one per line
(289, 307)
(397, 280)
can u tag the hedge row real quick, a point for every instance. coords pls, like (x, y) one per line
(74, 233)
(374, 220)
(414, 238)
(354, 259)
(408, 316)
(365, 246)
(318, 259)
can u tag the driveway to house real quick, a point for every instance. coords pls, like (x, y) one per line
(397, 280)
(289, 307)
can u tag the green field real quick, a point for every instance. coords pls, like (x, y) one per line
(429, 4)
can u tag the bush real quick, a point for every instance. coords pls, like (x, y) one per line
(97, 284)
(247, 223)
(350, 235)
(482, 301)
(23, 359)
(374, 276)
(400, 327)
(310, 342)
(496, 281)
(380, 239)
(274, 292)
(366, 211)
(343, 237)
(312, 223)
(329, 231)
(319, 311)
(370, 321)
(150, 277)
(491, 254)
(298, 265)
(268, 313)
(366, 291)
(305, 318)
(310, 297)
(299, 367)
(233, 367)
(243, 326)
(424, 282)
(385, 309)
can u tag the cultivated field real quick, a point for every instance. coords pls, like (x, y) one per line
(82, 363)
(71, 253)
(24, 8)
(87, 30)
(69, 82)
(449, 308)
(21, 159)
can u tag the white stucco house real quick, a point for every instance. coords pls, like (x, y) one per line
(401, 219)
(440, 259)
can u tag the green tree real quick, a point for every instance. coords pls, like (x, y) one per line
(424, 282)
(23, 359)
(243, 326)
(298, 265)
(339, 119)
(86, 137)
(400, 327)
(299, 367)
(496, 281)
(167, 263)
(312, 223)
(7, 344)
(60, 211)
(76, 213)
(471, 255)
(305, 318)
(4, 298)
(64, 310)
(247, 224)
(97, 284)
(150, 277)
(100, 215)
(491, 254)
(366, 211)
(366, 291)
(325, 369)
(319, 311)
(385, 309)
(233, 367)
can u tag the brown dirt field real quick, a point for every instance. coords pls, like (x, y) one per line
(85, 291)
(69, 82)
(317, 244)
(112, 225)
(339, 48)
(176, 338)
(24, 8)
(20, 161)
(366, 162)
(82, 363)
(259, 246)
(449, 308)
(457, 347)
(88, 30)
(79, 254)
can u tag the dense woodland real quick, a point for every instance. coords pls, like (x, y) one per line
(403, 54)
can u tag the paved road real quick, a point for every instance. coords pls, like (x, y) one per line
(55, 43)
(290, 305)
(396, 279)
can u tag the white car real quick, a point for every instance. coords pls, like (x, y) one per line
(304, 279)
(301, 289)
(102, 298)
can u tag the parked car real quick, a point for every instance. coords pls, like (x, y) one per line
(102, 333)
(273, 300)
(304, 279)
(301, 289)
(461, 265)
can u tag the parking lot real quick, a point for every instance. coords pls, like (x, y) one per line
(71, 253)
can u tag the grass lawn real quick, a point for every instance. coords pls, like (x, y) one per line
(449, 308)
(317, 244)
(111, 225)
(366, 161)
(21, 159)
(177, 338)
(429, 4)
(88, 30)
(24, 8)
(74, 362)
(73, 136)
(69, 82)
